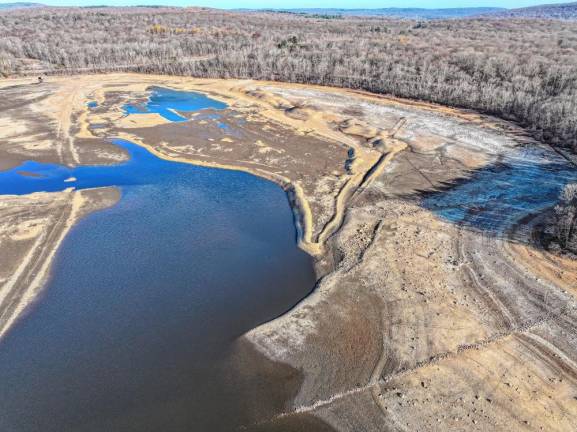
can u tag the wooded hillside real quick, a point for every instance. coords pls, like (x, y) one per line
(525, 70)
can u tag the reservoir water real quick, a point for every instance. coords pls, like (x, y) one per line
(134, 329)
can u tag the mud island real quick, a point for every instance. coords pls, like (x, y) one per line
(435, 305)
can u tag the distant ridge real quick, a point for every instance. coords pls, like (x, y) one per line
(19, 5)
(563, 11)
(409, 13)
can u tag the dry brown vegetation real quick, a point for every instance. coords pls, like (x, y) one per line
(520, 70)
(562, 224)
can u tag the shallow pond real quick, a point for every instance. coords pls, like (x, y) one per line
(135, 326)
(171, 103)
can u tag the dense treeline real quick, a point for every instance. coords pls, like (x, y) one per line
(561, 229)
(520, 70)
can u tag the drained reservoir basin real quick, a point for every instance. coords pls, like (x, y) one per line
(136, 325)
(439, 276)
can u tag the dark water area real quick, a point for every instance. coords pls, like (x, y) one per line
(135, 328)
(527, 180)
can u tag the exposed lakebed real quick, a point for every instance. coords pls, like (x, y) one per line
(137, 322)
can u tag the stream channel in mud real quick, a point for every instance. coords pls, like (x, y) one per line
(135, 327)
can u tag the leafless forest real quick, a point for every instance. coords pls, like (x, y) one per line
(524, 70)
(561, 228)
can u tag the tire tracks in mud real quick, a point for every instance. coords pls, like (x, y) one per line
(374, 385)
(65, 141)
(511, 327)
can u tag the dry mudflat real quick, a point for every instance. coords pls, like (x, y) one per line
(416, 322)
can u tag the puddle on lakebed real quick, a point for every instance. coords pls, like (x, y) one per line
(169, 103)
(134, 329)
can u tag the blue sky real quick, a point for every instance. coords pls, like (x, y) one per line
(301, 3)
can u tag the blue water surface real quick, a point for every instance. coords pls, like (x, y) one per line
(142, 168)
(168, 103)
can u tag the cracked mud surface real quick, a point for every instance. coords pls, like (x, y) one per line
(419, 321)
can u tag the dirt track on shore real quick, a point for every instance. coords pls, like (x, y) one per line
(417, 322)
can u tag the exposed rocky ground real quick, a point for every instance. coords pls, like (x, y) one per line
(419, 321)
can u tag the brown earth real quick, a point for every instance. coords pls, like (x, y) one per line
(415, 324)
